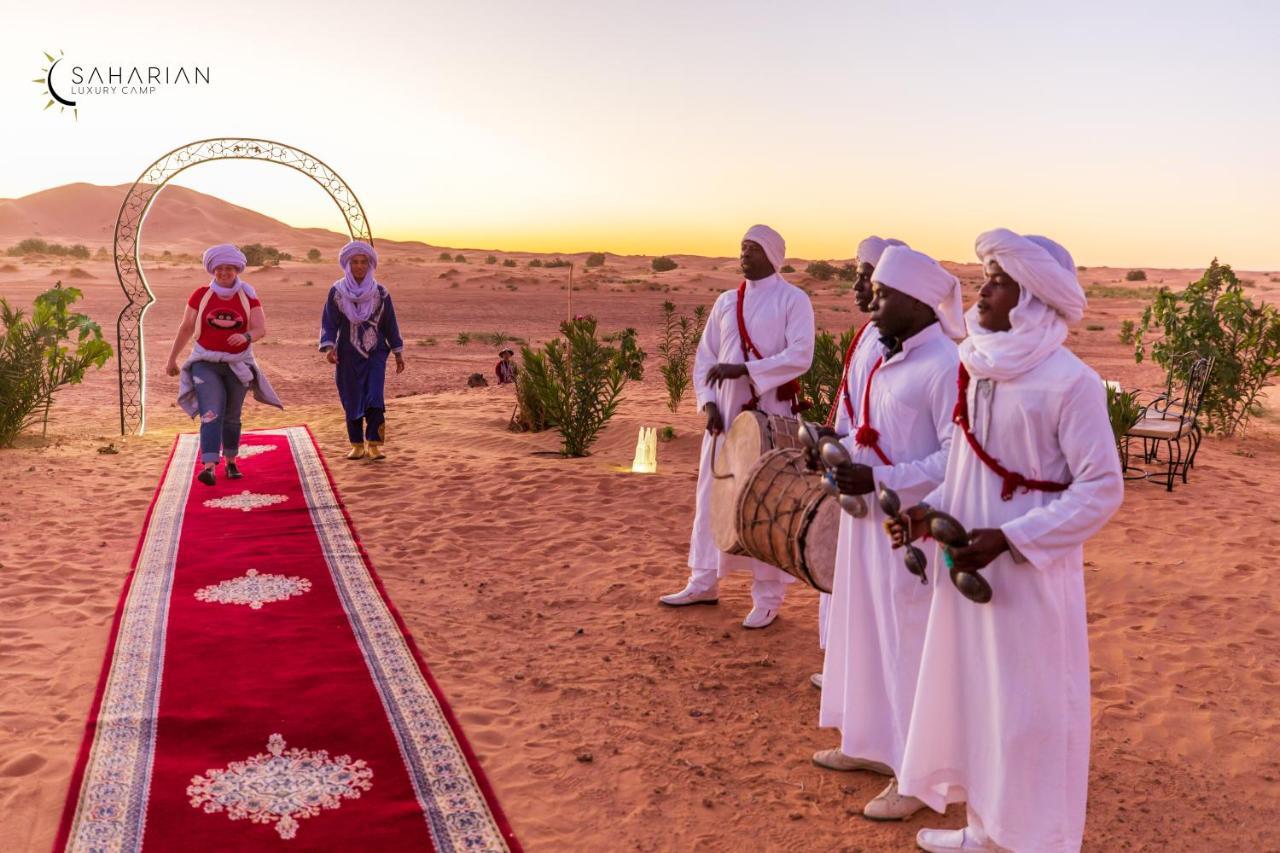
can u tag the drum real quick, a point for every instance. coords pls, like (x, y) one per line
(750, 436)
(786, 518)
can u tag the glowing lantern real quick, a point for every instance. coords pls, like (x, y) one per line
(646, 461)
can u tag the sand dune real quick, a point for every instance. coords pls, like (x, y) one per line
(530, 582)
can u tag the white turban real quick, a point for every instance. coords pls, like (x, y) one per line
(223, 253)
(870, 249)
(775, 248)
(1039, 265)
(920, 276)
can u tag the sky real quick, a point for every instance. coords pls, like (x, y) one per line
(1135, 133)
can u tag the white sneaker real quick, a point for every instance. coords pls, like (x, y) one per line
(760, 617)
(890, 805)
(816, 680)
(951, 841)
(689, 595)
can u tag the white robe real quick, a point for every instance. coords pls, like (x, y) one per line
(879, 609)
(779, 319)
(1001, 716)
(841, 424)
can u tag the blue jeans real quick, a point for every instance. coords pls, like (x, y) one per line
(221, 397)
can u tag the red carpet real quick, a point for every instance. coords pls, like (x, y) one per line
(260, 691)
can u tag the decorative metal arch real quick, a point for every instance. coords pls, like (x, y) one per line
(128, 237)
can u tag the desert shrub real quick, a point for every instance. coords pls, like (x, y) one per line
(1135, 275)
(822, 381)
(460, 258)
(102, 254)
(1213, 317)
(1128, 331)
(40, 355)
(463, 338)
(36, 246)
(629, 352)
(1123, 410)
(821, 270)
(595, 259)
(847, 272)
(313, 255)
(663, 264)
(491, 259)
(787, 268)
(1113, 291)
(667, 433)
(535, 263)
(258, 255)
(1094, 327)
(1082, 269)
(508, 262)
(677, 347)
(445, 256)
(555, 263)
(573, 384)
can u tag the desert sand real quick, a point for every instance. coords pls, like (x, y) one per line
(530, 582)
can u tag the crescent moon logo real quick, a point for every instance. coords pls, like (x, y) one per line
(53, 92)
(50, 92)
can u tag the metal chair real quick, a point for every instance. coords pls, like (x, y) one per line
(1173, 421)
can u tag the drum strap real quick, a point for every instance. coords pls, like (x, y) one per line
(842, 392)
(867, 436)
(788, 390)
(1010, 481)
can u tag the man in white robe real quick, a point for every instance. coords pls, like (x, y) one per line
(779, 324)
(869, 252)
(907, 395)
(1001, 714)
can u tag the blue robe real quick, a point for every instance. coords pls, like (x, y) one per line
(361, 379)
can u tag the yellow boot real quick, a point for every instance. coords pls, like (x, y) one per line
(374, 450)
(357, 452)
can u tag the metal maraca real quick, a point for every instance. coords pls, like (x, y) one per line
(834, 455)
(891, 504)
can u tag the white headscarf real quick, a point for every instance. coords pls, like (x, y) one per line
(1049, 297)
(228, 254)
(357, 299)
(920, 276)
(870, 249)
(775, 248)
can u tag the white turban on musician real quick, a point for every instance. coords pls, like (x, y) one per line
(775, 248)
(1039, 265)
(870, 249)
(920, 276)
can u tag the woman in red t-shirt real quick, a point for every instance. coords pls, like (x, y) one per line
(229, 318)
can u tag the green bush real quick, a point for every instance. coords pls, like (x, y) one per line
(1128, 332)
(508, 262)
(632, 357)
(821, 270)
(595, 259)
(787, 268)
(37, 357)
(847, 272)
(573, 384)
(460, 258)
(535, 263)
(446, 256)
(1123, 410)
(663, 264)
(313, 255)
(822, 381)
(1213, 317)
(258, 255)
(555, 263)
(36, 246)
(1135, 275)
(677, 347)
(491, 259)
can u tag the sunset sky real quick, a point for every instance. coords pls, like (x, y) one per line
(1132, 132)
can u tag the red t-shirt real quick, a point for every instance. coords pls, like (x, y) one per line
(222, 319)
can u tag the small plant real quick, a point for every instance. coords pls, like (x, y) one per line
(491, 259)
(103, 255)
(1082, 269)
(663, 264)
(463, 339)
(313, 255)
(1094, 327)
(821, 383)
(787, 268)
(508, 262)
(1213, 317)
(535, 263)
(427, 342)
(667, 433)
(1128, 332)
(1135, 275)
(595, 259)
(76, 272)
(555, 263)
(573, 384)
(1123, 410)
(629, 352)
(445, 256)
(462, 259)
(821, 270)
(36, 359)
(36, 246)
(847, 272)
(258, 255)
(676, 348)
